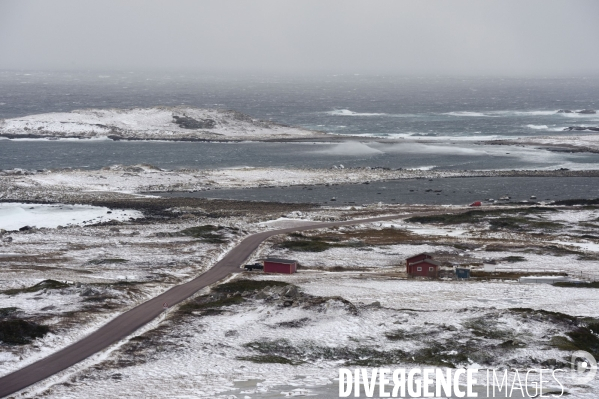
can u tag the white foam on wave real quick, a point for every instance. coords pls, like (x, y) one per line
(538, 127)
(347, 112)
(531, 113)
(351, 148)
(467, 113)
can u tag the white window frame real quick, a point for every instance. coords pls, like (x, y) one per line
(430, 269)
(418, 269)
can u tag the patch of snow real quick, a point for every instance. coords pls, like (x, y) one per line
(16, 215)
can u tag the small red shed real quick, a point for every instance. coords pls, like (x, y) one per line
(424, 268)
(417, 258)
(274, 265)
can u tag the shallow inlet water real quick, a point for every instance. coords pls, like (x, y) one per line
(86, 154)
(456, 191)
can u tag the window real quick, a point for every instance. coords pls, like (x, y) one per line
(430, 269)
(419, 269)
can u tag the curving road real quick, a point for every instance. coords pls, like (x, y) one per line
(130, 321)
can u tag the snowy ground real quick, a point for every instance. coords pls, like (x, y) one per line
(365, 310)
(199, 355)
(15, 215)
(107, 269)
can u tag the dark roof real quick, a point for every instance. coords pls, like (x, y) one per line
(430, 261)
(277, 260)
(423, 253)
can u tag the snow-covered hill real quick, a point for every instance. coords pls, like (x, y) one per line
(157, 123)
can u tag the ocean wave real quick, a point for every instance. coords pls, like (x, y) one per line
(467, 113)
(538, 127)
(505, 113)
(347, 112)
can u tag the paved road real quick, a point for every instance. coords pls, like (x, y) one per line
(129, 322)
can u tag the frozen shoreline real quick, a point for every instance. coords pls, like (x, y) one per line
(119, 181)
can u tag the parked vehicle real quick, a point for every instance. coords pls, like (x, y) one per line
(257, 266)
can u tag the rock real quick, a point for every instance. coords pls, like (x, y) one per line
(231, 333)
(26, 228)
(565, 111)
(116, 230)
(261, 295)
(482, 357)
(287, 303)
(587, 111)
(88, 292)
(291, 292)
(515, 343)
(189, 123)
(7, 239)
(2, 232)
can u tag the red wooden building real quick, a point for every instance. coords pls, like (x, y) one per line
(274, 265)
(422, 265)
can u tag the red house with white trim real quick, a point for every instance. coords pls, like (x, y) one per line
(422, 265)
(285, 266)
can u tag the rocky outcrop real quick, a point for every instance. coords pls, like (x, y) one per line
(583, 112)
(582, 128)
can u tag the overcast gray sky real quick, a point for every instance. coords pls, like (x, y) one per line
(368, 36)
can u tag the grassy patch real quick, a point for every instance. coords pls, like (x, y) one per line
(107, 261)
(306, 245)
(521, 223)
(207, 233)
(20, 332)
(562, 343)
(514, 259)
(396, 335)
(268, 359)
(483, 327)
(545, 315)
(205, 303)
(350, 239)
(43, 285)
(476, 216)
(247, 285)
(5, 312)
(309, 352)
(594, 284)
(438, 355)
(585, 339)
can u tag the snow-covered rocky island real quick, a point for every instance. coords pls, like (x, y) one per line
(156, 123)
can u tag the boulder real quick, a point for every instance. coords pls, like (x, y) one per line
(587, 112)
(565, 111)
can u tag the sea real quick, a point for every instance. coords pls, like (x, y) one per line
(454, 119)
